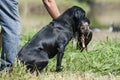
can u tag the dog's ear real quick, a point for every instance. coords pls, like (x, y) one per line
(78, 13)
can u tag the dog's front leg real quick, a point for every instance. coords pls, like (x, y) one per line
(59, 59)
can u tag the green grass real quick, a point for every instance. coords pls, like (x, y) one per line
(102, 58)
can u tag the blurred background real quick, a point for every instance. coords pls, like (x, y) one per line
(103, 14)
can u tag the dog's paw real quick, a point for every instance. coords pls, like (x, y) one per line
(58, 69)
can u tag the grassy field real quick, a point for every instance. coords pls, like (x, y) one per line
(101, 62)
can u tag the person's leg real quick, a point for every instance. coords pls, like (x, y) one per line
(9, 20)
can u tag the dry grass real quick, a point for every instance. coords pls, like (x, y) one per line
(66, 76)
(104, 34)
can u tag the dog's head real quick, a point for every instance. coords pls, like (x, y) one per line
(81, 27)
(78, 14)
(84, 34)
(72, 16)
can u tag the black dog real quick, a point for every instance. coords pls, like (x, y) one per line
(52, 40)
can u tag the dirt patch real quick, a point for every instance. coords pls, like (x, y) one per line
(104, 34)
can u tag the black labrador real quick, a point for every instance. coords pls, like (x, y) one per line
(52, 40)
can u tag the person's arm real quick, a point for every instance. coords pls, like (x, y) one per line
(51, 8)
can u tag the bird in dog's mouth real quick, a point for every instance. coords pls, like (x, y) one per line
(85, 35)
